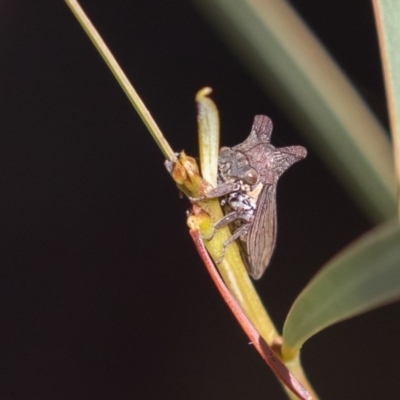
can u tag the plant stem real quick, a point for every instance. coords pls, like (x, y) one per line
(122, 79)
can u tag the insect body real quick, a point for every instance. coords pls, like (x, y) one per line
(247, 179)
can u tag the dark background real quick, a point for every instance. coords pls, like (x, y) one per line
(102, 294)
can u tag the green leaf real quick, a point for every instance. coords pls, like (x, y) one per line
(387, 16)
(362, 277)
(292, 65)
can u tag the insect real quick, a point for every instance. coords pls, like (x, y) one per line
(247, 179)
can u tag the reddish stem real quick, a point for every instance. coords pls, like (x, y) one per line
(266, 352)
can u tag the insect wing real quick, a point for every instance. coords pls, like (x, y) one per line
(262, 233)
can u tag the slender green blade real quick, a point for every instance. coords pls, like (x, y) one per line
(362, 277)
(295, 69)
(121, 78)
(387, 15)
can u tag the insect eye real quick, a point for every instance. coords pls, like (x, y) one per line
(251, 176)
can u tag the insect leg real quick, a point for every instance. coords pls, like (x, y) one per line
(226, 220)
(221, 190)
(242, 231)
